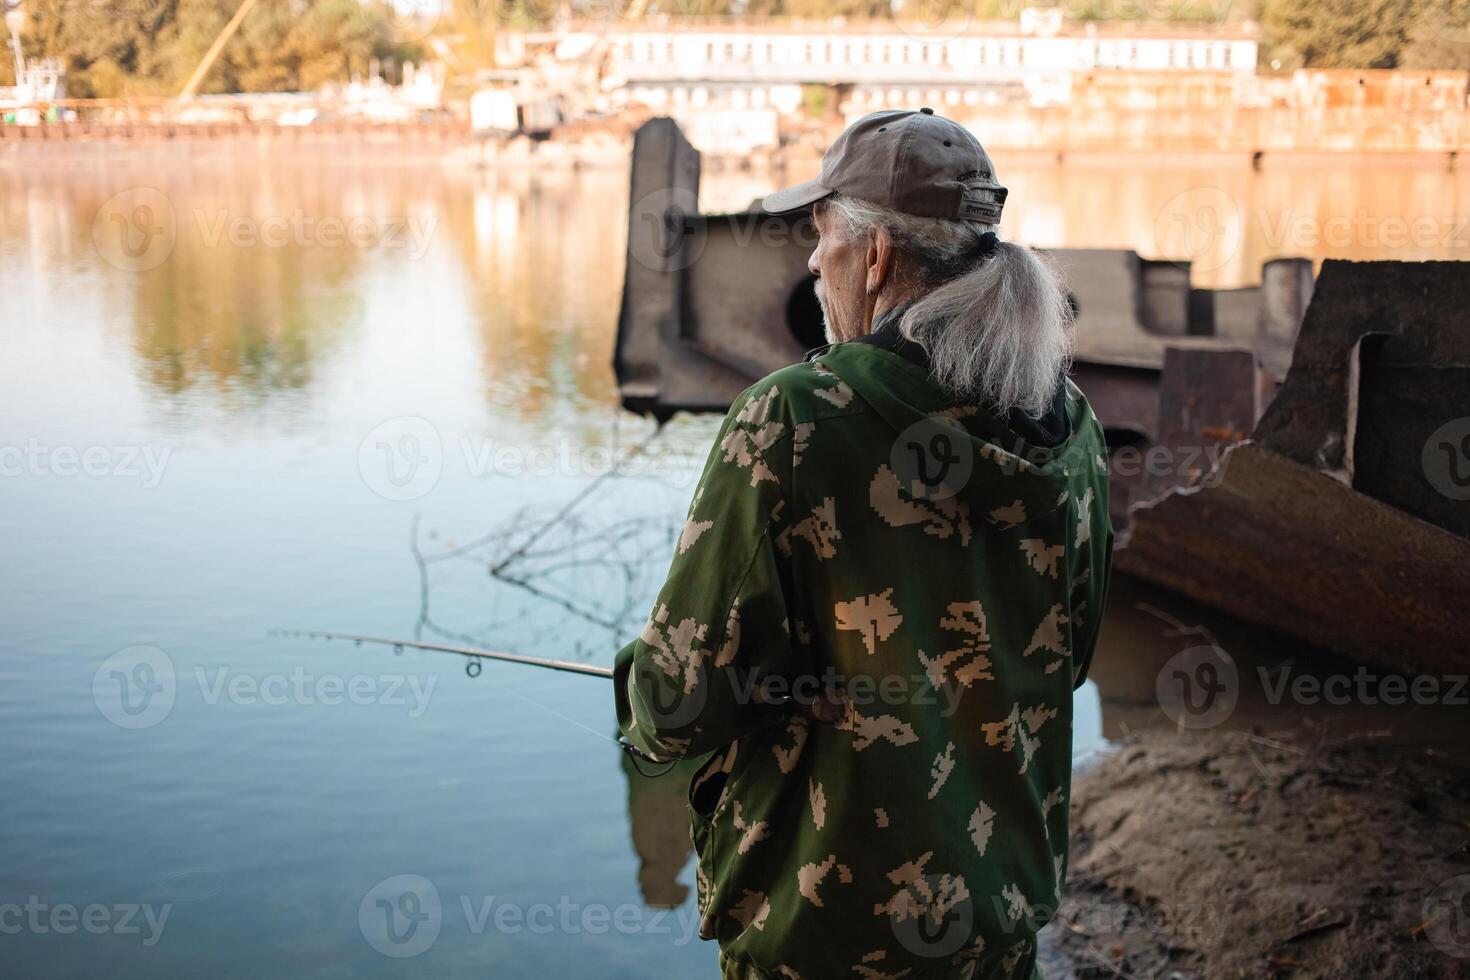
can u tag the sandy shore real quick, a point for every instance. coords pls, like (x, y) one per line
(1233, 855)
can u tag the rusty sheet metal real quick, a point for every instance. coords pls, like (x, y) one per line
(1207, 400)
(1169, 428)
(1328, 523)
(1293, 548)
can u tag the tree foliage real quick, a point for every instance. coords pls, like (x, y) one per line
(150, 47)
(1368, 33)
(1440, 38)
(1340, 33)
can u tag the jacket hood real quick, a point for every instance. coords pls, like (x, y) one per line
(990, 465)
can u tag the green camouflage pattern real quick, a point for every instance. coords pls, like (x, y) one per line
(857, 530)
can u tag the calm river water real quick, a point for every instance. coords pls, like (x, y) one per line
(266, 395)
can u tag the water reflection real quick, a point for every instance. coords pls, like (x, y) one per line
(1146, 627)
(578, 572)
(658, 818)
(258, 289)
(198, 319)
(543, 254)
(271, 264)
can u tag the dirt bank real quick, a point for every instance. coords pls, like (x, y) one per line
(1236, 855)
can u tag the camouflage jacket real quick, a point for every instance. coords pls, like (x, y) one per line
(858, 532)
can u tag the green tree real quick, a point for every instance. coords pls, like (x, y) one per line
(1440, 38)
(1339, 33)
(287, 45)
(110, 47)
(150, 47)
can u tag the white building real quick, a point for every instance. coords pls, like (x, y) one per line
(691, 68)
(834, 56)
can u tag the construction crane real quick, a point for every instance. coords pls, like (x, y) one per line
(210, 56)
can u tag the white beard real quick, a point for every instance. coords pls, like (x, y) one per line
(828, 330)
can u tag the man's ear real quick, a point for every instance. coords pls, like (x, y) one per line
(880, 259)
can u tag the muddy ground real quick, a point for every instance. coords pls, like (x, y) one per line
(1233, 855)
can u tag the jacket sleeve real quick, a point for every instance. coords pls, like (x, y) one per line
(690, 682)
(1103, 569)
(1100, 570)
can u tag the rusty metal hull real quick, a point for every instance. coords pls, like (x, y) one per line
(1278, 543)
(1326, 523)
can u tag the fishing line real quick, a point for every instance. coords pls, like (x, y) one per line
(473, 668)
(634, 754)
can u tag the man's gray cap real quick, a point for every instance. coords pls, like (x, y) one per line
(911, 161)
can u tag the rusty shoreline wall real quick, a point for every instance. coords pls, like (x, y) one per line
(1391, 111)
(1321, 401)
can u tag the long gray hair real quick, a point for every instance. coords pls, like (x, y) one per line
(997, 331)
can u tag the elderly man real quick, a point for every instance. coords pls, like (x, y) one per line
(889, 584)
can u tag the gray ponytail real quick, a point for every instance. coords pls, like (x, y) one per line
(998, 330)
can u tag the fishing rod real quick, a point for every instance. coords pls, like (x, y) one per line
(473, 667)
